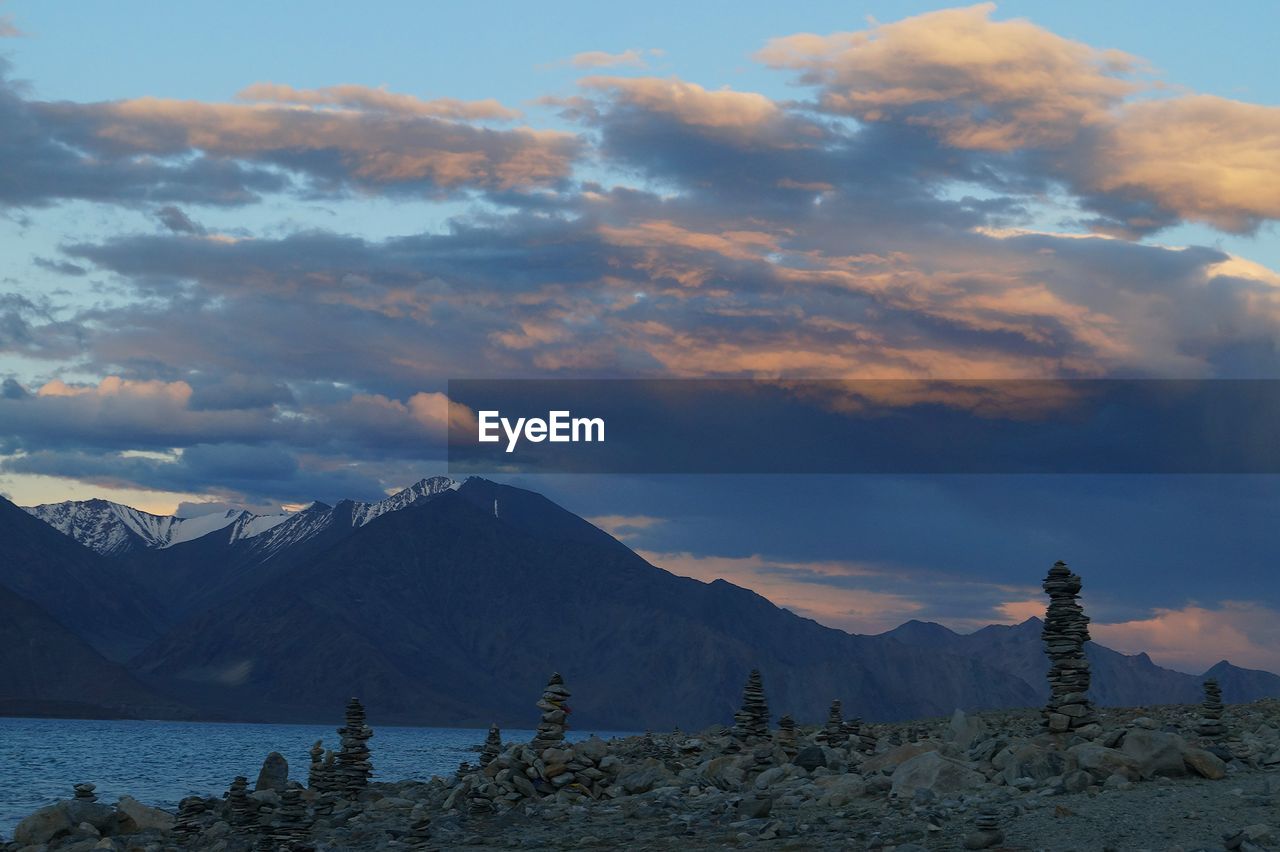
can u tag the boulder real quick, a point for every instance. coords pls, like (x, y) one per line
(1032, 761)
(964, 731)
(643, 777)
(274, 774)
(810, 758)
(1205, 764)
(1102, 762)
(1156, 752)
(724, 772)
(43, 825)
(141, 817)
(836, 791)
(935, 773)
(755, 807)
(896, 756)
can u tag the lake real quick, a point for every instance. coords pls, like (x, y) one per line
(159, 763)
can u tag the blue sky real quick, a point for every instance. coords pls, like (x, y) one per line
(212, 289)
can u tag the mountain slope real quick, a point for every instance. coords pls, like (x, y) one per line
(83, 591)
(45, 669)
(446, 613)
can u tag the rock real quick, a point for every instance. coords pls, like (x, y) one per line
(1156, 752)
(352, 767)
(964, 731)
(1102, 762)
(1077, 781)
(724, 772)
(931, 771)
(834, 734)
(754, 807)
(492, 746)
(643, 777)
(986, 832)
(144, 817)
(810, 758)
(895, 756)
(43, 825)
(1205, 764)
(274, 774)
(1032, 761)
(555, 712)
(839, 790)
(1211, 727)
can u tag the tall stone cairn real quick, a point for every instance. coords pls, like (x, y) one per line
(242, 810)
(751, 723)
(353, 767)
(190, 819)
(1066, 629)
(1211, 727)
(492, 746)
(555, 714)
(834, 734)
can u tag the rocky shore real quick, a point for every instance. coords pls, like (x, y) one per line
(1065, 777)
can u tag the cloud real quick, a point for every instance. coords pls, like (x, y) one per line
(367, 99)
(623, 527)
(1194, 637)
(982, 84)
(8, 29)
(630, 58)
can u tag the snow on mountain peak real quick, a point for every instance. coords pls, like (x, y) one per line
(112, 528)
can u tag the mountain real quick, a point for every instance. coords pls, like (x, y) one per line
(449, 603)
(112, 529)
(48, 670)
(1119, 680)
(74, 585)
(455, 609)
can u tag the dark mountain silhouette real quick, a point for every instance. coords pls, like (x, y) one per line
(450, 604)
(1119, 680)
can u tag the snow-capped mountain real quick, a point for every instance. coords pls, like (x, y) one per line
(113, 529)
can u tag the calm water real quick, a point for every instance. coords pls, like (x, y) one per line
(160, 762)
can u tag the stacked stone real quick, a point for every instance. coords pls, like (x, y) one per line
(986, 831)
(242, 811)
(419, 836)
(289, 829)
(353, 767)
(1211, 726)
(191, 811)
(860, 738)
(492, 746)
(1066, 629)
(787, 737)
(315, 774)
(84, 792)
(834, 734)
(555, 714)
(751, 723)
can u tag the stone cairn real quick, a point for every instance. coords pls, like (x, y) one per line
(834, 734)
(555, 714)
(84, 792)
(242, 811)
(315, 773)
(1211, 727)
(289, 829)
(787, 736)
(1066, 629)
(189, 822)
(353, 767)
(751, 723)
(986, 831)
(861, 738)
(492, 746)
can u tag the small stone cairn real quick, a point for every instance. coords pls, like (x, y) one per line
(986, 831)
(860, 738)
(492, 746)
(289, 829)
(787, 737)
(315, 773)
(1211, 727)
(353, 767)
(189, 822)
(84, 792)
(751, 723)
(242, 810)
(1066, 629)
(834, 734)
(555, 714)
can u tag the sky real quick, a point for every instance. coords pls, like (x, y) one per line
(243, 247)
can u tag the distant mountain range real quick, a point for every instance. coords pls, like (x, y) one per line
(449, 603)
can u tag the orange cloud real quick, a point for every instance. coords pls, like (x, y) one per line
(378, 99)
(630, 58)
(689, 103)
(1195, 637)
